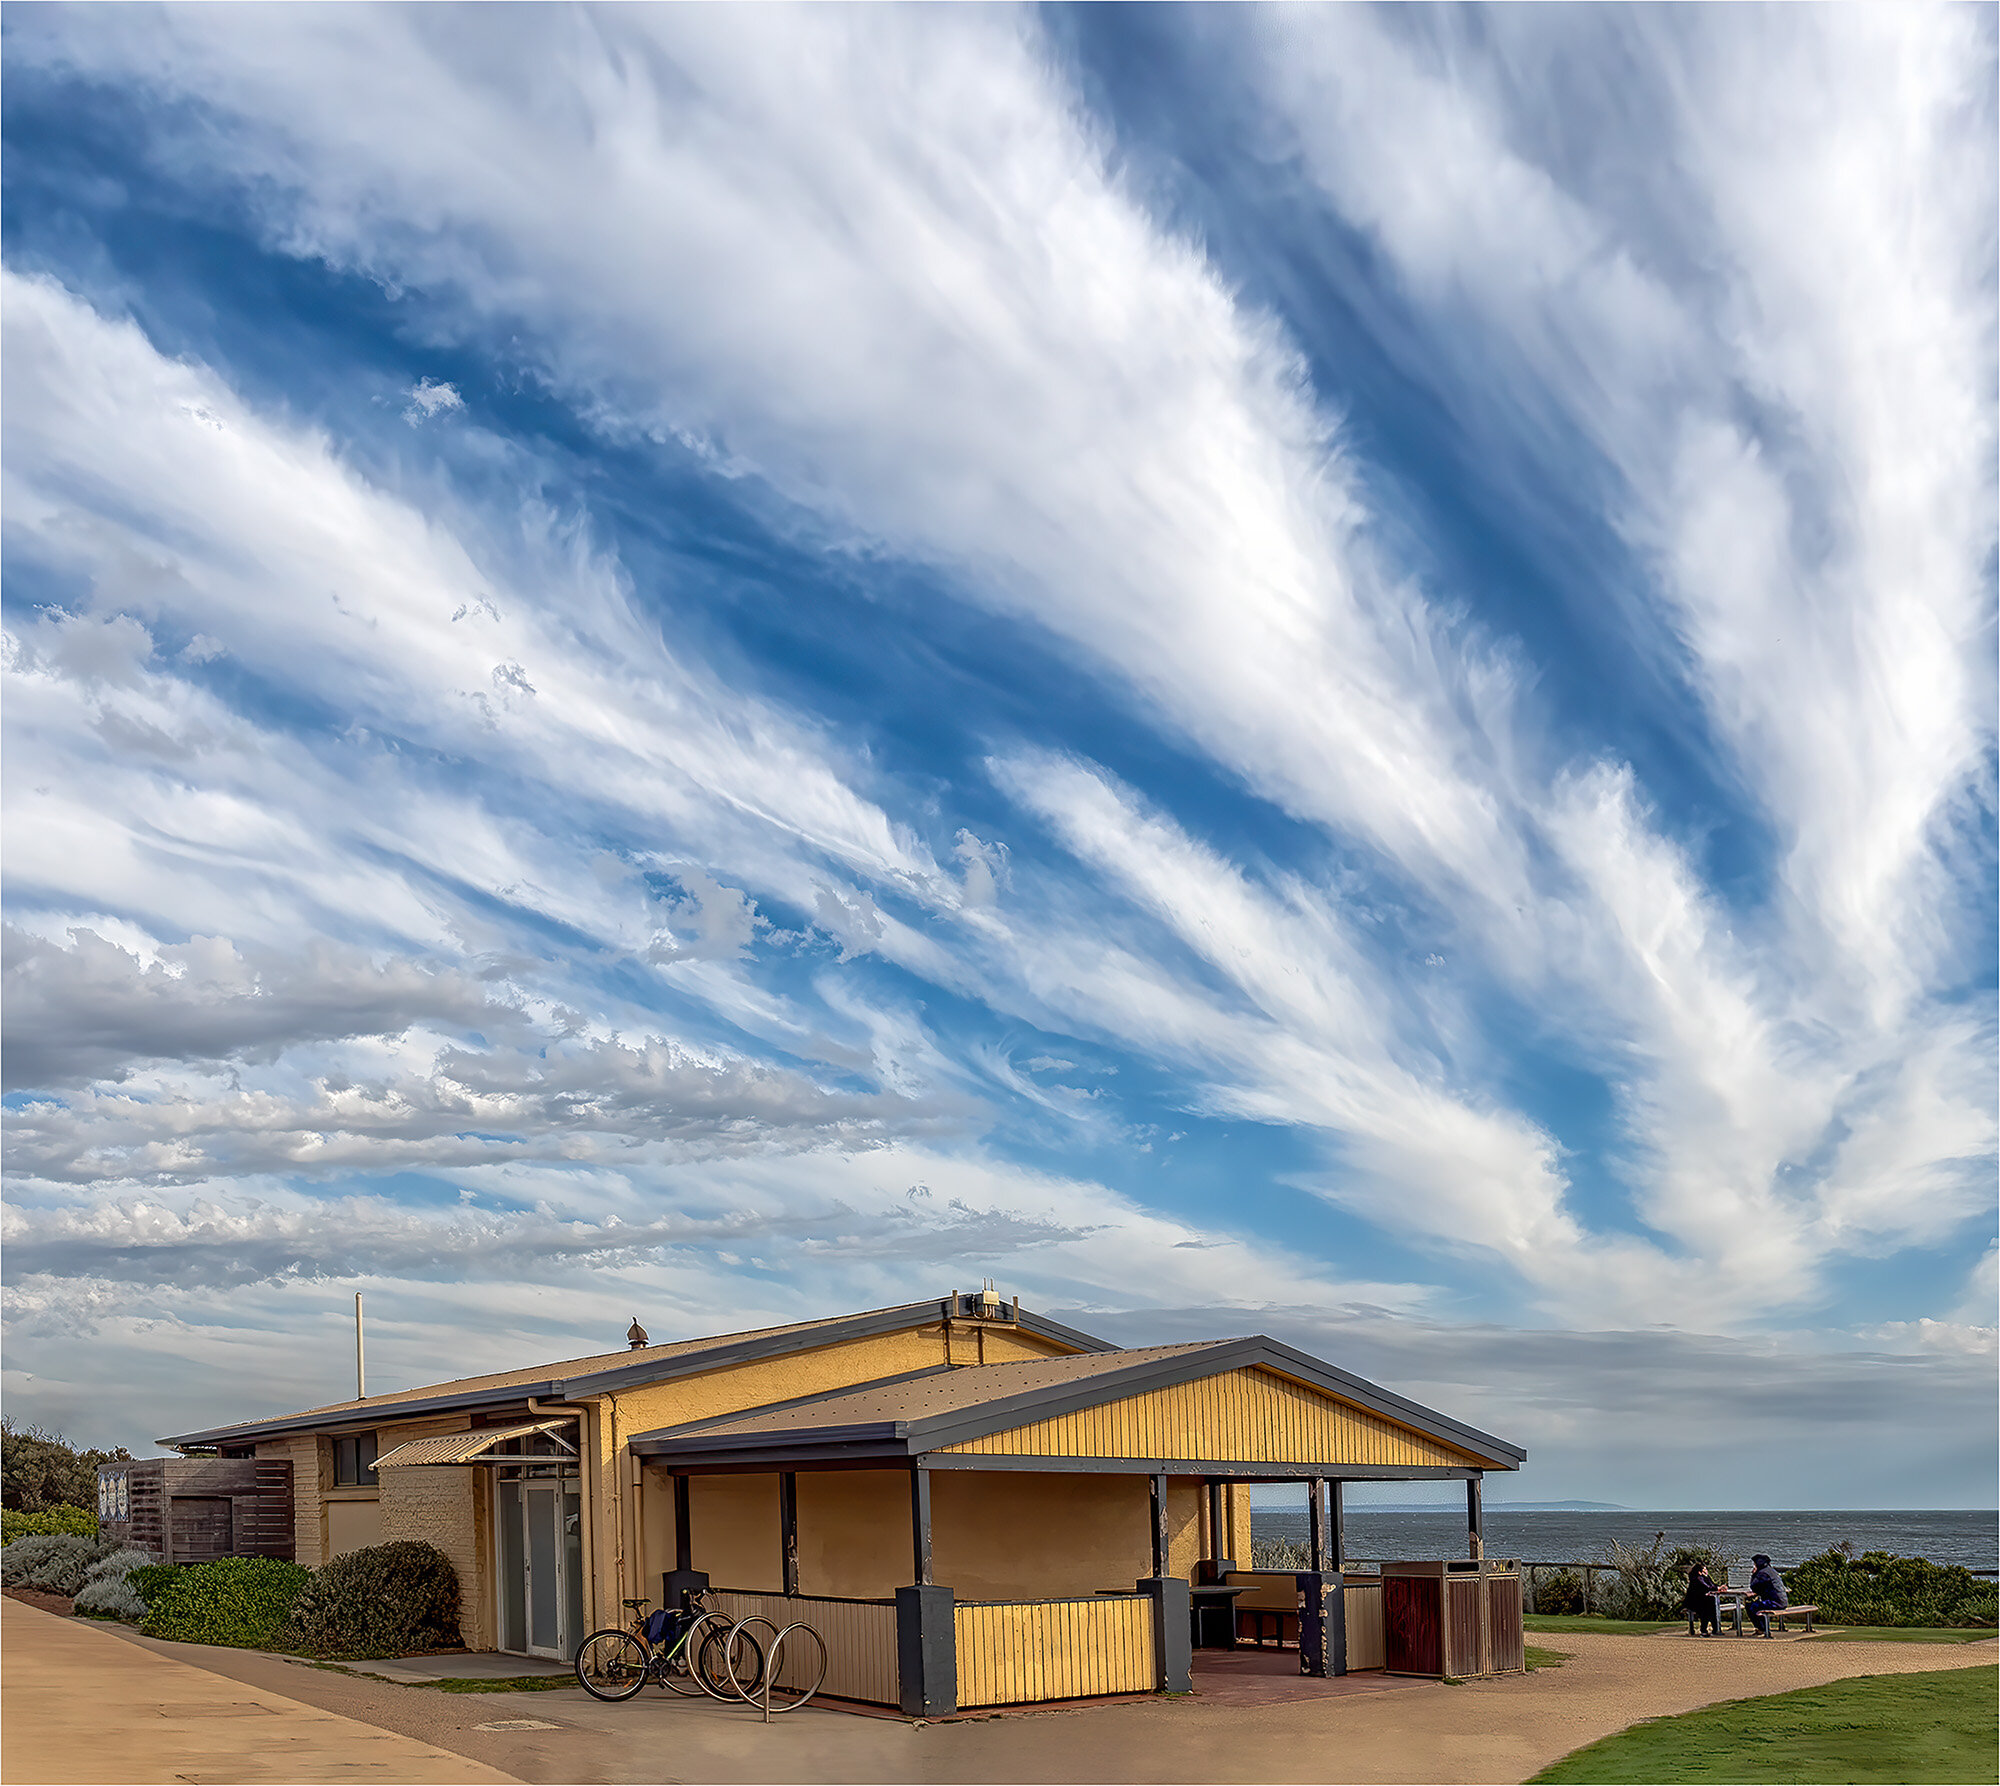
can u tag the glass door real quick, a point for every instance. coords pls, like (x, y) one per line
(538, 1537)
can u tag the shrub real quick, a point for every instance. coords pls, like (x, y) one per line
(53, 1563)
(387, 1600)
(240, 1601)
(149, 1580)
(39, 1470)
(106, 1591)
(1560, 1593)
(79, 1522)
(1280, 1553)
(1648, 1585)
(1880, 1589)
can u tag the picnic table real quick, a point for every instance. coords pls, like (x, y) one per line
(1205, 1603)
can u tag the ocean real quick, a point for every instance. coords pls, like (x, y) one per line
(1970, 1539)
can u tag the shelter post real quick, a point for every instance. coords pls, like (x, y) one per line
(1337, 1525)
(1159, 1509)
(1475, 1526)
(788, 1529)
(683, 1578)
(1316, 1522)
(920, 1522)
(926, 1651)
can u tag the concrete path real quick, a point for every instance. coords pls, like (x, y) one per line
(1502, 1730)
(80, 1705)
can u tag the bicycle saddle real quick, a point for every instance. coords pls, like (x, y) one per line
(637, 1605)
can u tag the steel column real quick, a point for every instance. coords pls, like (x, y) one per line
(788, 1528)
(1159, 1487)
(1475, 1530)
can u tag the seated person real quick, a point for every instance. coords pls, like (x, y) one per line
(1701, 1601)
(1767, 1594)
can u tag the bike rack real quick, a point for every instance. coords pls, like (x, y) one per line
(772, 1663)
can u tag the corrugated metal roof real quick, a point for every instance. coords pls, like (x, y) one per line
(465, 1448)
(574, 1375)
(948, 1392)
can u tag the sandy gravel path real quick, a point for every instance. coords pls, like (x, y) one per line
(79, 1705)
(1500, 1730)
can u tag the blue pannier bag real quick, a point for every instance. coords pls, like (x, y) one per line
(657, 1626)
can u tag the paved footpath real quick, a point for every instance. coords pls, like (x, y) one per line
(81, 1705)
(1499, 1730)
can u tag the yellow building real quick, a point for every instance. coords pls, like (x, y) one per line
(975, 1504)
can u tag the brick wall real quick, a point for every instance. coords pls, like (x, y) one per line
(310, 1476)
(444, 1507)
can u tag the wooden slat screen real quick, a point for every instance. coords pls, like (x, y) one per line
(1023, 1652)
(1365, 1647)
(860, 1641)
(1509, 1639)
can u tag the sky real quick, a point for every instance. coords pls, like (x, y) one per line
(1320, 672)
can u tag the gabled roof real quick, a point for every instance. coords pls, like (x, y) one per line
(903, 1418)
(618, 1370)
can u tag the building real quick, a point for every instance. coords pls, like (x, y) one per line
(976, 1504)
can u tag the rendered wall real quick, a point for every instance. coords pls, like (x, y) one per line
(855, 1537)
(733, 1526)
(352, 1525)
(1019, 1534)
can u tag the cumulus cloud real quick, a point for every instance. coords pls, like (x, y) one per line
(430, 398)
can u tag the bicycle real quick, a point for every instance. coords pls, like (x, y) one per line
(615, 1663)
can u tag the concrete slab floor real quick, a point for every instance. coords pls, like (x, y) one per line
(1494, 1730)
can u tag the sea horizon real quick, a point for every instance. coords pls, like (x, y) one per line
(1967, 1537)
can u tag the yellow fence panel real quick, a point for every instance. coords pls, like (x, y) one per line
(860, 1642)
(1023, 1652)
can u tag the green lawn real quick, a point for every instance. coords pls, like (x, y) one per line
(1558, 1621)
(1904, 1634)
(1878, 1727)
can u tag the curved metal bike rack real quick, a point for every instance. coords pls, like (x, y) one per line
(772, 1663)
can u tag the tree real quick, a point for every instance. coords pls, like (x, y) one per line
(40, 1470)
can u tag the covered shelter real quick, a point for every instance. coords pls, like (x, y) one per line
(1043, 1529)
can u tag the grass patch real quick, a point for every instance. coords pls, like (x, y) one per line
(513, 1683)
(510, 1683)
(1590, 1621)
(1876, 1728)
(1540, 1658)
(1903, 1634)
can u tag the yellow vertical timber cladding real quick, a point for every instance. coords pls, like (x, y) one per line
(1024, 1652)
(1251, 1415)
(860, 1638)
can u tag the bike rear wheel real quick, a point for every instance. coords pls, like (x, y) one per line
(611, 1664)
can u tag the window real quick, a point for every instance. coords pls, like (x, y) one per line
(238, 1451)
(354, 1461)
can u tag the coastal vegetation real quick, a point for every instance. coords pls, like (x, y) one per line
(42, 1471)
(1873, 1728)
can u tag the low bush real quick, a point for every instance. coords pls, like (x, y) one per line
(53, 1563)
(1647, 1584)
(1877, 1588)
(239, 1601)
(106, 1593)
(1560, 1594)
(150, 1579)
(387, 1600)
(79, 1522)
(1280, 1553)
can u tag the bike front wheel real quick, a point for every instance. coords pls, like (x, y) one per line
(611, 1664)
(729, 1670)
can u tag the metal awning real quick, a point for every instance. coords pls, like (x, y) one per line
(475, 1447)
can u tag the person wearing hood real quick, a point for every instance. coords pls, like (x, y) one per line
(1701, 1601)
(1767, 1593)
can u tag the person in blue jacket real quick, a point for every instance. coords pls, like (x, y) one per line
(1767, 1593)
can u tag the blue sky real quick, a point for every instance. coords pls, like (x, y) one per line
(1325, 672)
